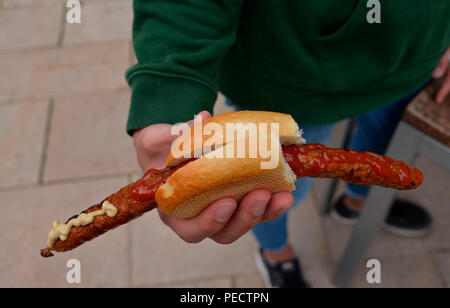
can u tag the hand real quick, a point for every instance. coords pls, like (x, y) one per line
(441, 71)
(223, 221)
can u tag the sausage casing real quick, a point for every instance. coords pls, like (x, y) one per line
(311, 161)
(363, 168)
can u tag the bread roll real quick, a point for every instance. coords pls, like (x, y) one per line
(218, 174)
(190, 142)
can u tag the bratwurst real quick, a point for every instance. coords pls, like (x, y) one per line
(312, 160)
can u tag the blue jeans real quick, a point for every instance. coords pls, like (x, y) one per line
(374, 131)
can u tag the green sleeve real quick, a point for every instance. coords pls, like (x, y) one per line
(179, 46)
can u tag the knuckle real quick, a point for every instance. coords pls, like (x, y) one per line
(205, 229)
(249, 224)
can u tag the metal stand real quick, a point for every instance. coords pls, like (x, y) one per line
(407, 143)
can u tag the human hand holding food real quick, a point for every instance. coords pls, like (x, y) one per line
(443, 71)
(223, 221)
(187, 190)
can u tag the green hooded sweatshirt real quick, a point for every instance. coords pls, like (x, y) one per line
(319, 60)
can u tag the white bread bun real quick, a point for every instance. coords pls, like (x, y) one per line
(214, 176)
(288, 131)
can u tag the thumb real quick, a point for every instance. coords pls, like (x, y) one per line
(179, 129)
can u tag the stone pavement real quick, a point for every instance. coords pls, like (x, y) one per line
(63, 108)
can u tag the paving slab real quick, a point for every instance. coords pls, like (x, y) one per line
(25, 29)
(25, 219)
(432, 195)
(63, 72)
(101, 22)
(224, 282)
(319, 276)
(309, 240)
(384, 243)
(442, 260)
(22, 134)
(41, 3)
(88, 137)
(133, 59)
(249, 281)
(160, 257)
(31, 3)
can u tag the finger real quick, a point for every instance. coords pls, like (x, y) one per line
(278, 205)
(442, 66)
(152, 135)
(211, 221)
(444, 89)
(249, 213)
(152, 145)
(204, 115)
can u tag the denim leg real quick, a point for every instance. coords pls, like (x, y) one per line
(273, 235)
(374, 132)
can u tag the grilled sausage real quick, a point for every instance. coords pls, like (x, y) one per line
(313, 160)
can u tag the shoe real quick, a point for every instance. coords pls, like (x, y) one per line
(408, 219)
(343, 214)
(280, 275)
(404, 219)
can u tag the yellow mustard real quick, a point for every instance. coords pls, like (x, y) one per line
(61, 231)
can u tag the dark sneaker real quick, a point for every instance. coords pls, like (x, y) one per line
(280, 275)
(405, 218)
(408, 219)
(343, 214)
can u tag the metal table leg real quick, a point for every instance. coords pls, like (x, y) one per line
(404, 146)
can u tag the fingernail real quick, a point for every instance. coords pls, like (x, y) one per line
(224, 212)
(260, 206)
(282, 211)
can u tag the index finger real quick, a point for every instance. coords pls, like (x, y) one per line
(444, 89)
(442, 66)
